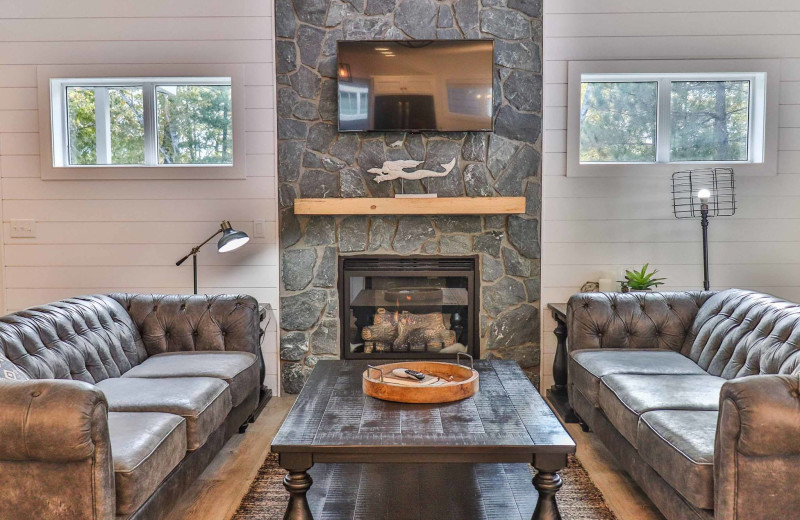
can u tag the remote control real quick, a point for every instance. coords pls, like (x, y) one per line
(414, 373)
(408, 374)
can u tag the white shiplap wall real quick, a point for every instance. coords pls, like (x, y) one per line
(102, 236)
(592, 226)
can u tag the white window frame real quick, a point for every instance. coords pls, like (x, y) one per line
(764, 77)
(53, 82)
(362, 106)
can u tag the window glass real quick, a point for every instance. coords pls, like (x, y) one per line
(106, 125)
(618, 121)
(82, 128)
(194, 124)
(709, 120)
(346, 103)
(353, 102)
(126, 111)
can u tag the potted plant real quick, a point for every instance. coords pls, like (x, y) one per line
(640, 280)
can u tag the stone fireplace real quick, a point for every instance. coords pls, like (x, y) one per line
(505, 249)
(314, 160)
(408, 307)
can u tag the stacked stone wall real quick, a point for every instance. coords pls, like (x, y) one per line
(314, 160)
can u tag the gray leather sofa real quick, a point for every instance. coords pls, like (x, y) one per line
(111, 406)
(696, 394)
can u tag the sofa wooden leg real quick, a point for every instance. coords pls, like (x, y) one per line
(582, 423)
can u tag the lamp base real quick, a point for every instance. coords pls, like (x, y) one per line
(194, 267)
(704, 225)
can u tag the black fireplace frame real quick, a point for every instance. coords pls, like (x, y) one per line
(420, 266)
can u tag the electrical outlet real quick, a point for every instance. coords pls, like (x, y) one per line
(23, 228)
(258, 228)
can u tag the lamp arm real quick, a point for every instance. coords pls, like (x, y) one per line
(195, 249)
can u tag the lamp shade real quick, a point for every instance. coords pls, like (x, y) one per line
(711, 189)
(231, 239)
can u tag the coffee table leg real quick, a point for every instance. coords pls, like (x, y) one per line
(547, 481)
(297, 482)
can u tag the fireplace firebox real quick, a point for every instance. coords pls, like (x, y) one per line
(396, 307)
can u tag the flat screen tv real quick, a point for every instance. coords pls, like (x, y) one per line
(415, 86)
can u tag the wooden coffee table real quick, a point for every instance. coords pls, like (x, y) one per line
(507, 421)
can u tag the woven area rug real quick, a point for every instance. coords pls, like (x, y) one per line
(578, 499)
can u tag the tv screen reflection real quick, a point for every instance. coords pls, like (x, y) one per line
(419, 85)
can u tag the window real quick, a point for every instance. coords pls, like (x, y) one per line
(652, 116)
(618, 121)
(194, 124)
(117, 113)
(142, 122)
(353, 102)
(647, 118)
(710, 120)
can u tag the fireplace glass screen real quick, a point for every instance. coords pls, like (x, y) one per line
(408, 308)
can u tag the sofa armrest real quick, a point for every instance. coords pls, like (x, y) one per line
(50, 420)
(179, 323)
(55, 454)
(757, 449)
(631, 320)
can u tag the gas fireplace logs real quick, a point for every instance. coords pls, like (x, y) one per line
(404, 332)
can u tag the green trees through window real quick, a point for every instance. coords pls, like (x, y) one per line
(706, 121)
(194, 124)
(710, 120)
(107, 125)
(618, 121)
(123, 142)
(82, 128)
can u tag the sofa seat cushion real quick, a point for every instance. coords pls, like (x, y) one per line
(145, 447)
(587, 367)
(624, 397)
(238, 369)
(679, 445)
(203, 401)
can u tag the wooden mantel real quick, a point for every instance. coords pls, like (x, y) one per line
(411, 206)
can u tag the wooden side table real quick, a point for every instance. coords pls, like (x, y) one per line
(557, 394)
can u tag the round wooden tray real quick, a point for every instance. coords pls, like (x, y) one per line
(462, 382)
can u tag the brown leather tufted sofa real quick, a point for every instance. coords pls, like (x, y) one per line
(111, 406)
(697, 395)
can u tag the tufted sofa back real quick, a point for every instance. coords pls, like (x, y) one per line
(632, 320)
(739, 333)
(179, 323)
(89, 338)
(92, 338)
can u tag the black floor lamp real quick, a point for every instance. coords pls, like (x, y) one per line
(230, 240)
(704, 193)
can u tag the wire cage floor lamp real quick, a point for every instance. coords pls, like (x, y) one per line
(704, 193)
(231, 239)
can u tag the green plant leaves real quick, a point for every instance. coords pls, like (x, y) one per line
(642, 280)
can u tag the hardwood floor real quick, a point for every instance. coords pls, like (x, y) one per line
(622, 494)
(218, 491)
